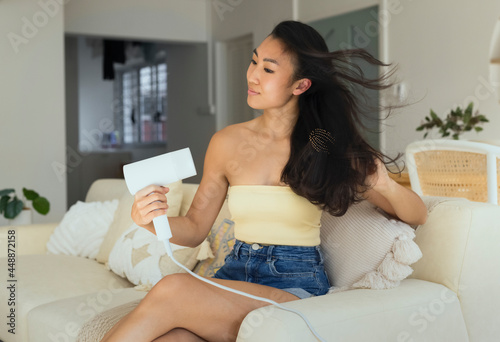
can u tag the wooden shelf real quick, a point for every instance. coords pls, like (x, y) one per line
(495, 61)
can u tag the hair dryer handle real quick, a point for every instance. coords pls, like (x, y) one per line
(162, 228)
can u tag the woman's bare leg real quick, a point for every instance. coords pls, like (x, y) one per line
(182, 301)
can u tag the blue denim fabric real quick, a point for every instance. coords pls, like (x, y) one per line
(295, 269)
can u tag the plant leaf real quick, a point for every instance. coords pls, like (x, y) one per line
(458, 120)
(425, 135)
(41, 205)
(5, 192)
(467, 117)
(434, 115)
(13, 208)
(30, 194)
(469, 108)
(3, 203)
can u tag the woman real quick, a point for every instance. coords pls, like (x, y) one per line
(303, 154)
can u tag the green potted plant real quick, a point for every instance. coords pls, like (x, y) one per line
(456, 122)
(11, 206)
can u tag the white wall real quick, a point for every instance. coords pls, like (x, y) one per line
(32, 128)
(327, 8)
(239, 18)
(442, 48)
(174, 20)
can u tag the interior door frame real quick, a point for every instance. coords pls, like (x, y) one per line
(222, 77)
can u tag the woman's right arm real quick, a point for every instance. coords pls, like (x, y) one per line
(192, 229)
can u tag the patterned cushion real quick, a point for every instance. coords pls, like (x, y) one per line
(221, 239)
(141, 258)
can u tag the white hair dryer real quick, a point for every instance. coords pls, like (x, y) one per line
(160, 170)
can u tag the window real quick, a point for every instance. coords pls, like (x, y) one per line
(141, 93)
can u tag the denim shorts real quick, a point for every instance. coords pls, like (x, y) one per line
(295, 269)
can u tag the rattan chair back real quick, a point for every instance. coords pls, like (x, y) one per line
(450, 168)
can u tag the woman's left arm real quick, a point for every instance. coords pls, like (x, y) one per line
(394, 198)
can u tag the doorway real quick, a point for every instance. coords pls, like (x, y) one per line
(233, 57)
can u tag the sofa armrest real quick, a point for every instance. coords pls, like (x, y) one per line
(363, 315)
(460, 246)
(30, 239)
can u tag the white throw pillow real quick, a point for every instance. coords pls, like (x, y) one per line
(140, 257)
(82, 229)
(366, 249)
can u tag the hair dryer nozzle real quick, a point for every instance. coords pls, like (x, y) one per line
(160, 170)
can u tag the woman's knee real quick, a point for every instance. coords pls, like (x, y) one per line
(171, 286)
(166, 293)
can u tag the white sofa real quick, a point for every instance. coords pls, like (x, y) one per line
(452, 294)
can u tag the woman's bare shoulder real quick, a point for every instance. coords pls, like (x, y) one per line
(222, 151)
(231, 135)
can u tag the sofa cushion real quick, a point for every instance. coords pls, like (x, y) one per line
(364, 248)
(61, 320)
(82, 229)
(415, 311)
(43, 279)
(122, 220)
(106, 189)
(221, 239)
(460, 245)
(94, 329)
(140, 257)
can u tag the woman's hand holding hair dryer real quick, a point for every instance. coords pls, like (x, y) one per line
(149, 202)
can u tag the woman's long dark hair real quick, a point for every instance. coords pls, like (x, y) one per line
(329, 168)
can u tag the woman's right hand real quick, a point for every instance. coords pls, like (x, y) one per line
(149, 203)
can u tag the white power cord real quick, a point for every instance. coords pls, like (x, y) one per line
(170, 254)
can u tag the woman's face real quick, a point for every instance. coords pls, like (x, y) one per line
(270, 76)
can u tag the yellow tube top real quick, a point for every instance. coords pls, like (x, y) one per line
(273, 215)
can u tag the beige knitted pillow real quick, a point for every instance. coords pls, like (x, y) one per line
(122, 220)
(366, 249)
(96, 327)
